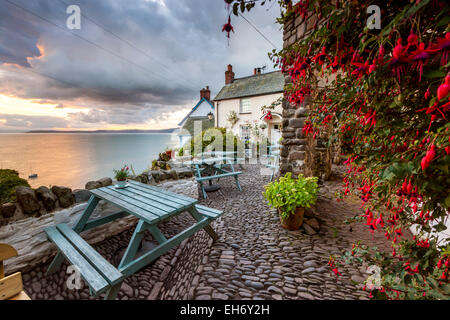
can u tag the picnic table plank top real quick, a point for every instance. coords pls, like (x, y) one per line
(209, 160)
(149, 203)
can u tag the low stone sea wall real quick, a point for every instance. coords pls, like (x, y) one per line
(24, 230)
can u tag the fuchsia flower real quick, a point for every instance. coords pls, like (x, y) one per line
(227, 27)
(429, 156)
(442, 45)
(444, 89)
(419, 58)
(427, 93)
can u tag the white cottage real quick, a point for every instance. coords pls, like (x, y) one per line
(244, 97)
(203, 111)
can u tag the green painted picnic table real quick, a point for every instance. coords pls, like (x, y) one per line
(151, 205)
(217, 165)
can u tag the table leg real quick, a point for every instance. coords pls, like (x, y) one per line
(209, 230)
(133, 246)
(199, 175)
(59, 258)
(111, 294)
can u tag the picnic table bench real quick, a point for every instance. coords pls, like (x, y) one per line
(11, 287)
(151, 205)
(217, 165)
(273, 159)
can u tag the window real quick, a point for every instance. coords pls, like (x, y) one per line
(245, 106)
(245, 133)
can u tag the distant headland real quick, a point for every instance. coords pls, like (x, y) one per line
(105, 131)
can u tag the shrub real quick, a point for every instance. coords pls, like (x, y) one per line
(9, 180)
(206, 138)
(287, 193)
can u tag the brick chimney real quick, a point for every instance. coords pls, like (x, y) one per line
(229, 75)
(257, 71)
(205, 93)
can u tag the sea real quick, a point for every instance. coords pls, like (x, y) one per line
(72, 159)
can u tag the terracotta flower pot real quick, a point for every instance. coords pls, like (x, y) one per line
(294, 221)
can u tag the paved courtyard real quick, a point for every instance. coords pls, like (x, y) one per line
(253, 259)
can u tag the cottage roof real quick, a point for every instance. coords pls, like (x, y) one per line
(261, 84)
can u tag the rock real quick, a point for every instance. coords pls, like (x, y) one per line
(305, 295)
(65, 196)
(155, 175)
(81, 195)
(47, 197)
(171, 174)
(93, 185)
(127, 290)
(309, 264)
(27, 200)
(358, 279)
(36, 287)
(7, 210)
(105, 182)
(313, 223)
(142, 178)
(308, 270)
(309, 230)
(254, 284)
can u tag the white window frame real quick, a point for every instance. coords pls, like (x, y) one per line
(245, 105)
(245, 129)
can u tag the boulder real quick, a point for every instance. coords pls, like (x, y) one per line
(93, 185)
(143, 178)
(65, 196)
(81, 195)
(171, 174)
(309, 231)
(155, 175)
(7, 210)
(47, 197)
(105, 182)
(27, 199)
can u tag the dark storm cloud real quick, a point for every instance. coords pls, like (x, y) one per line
(182, 41)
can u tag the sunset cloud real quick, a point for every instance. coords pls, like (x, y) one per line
(102, 81)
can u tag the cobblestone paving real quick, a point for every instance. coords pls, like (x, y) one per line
(253, 259)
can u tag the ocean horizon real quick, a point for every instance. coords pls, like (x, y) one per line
(72, 159)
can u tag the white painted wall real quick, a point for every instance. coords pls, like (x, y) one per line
(223, 108)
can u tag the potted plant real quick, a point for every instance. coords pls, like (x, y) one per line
(169, 152)
(290, 197)
(121, 176)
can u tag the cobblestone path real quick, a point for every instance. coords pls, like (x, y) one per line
(253, 259)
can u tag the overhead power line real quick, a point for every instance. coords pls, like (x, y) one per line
(257, 30)
(152, 73)
(125, 41)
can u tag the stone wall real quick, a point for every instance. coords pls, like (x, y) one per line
(43, 200)
(28, 237)
(300, 154)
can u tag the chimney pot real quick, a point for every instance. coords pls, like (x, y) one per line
(229, 75)
(205, 93)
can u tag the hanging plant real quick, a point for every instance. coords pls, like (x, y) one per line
(232, 118)
(268, 116)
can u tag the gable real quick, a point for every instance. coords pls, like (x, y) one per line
(201, 110)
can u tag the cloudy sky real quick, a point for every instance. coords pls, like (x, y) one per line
(144, 69)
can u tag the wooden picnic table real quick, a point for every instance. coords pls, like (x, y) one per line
(151, 205)
(215, 164)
